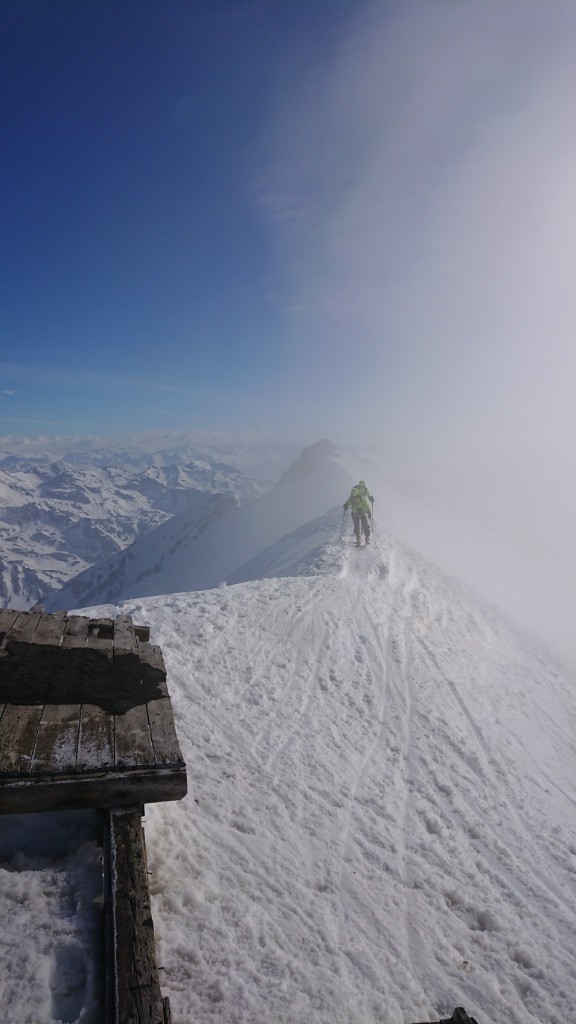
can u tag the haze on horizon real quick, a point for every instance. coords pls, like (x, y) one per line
(437, 262)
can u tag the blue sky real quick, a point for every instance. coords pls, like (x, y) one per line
(349, 218)
(137, 271)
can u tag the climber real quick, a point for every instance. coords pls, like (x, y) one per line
(359, 505)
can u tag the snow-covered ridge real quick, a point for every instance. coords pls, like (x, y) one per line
(233, 546)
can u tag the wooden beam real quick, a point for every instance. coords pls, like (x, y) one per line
(25, 794)
(131, 952)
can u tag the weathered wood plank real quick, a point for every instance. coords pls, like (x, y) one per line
(57, 740)
(132, 742)
(163, 733)
(67, 677)
(37, 666)
(153, 669)
(74, 642)
(50, 630)
(126, 655)
(151, 655)
(108, 921)
(70, 673)
(125, 640)
(7, 619)
(104, 649)
(23, 794)
(22, 631)
(95, 740)
(77, 625)
(137, 989)
(102, 628)
(89, 709)
(18, 731)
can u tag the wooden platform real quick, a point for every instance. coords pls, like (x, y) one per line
(85, 715)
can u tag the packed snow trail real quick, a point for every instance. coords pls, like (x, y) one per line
(381, 822)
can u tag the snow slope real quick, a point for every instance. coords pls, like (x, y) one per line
(381, 819)
(381, 822)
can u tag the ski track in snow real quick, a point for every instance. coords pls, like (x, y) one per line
(372, 840)
(380, 823)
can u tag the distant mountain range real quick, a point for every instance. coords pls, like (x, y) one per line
(57, 517)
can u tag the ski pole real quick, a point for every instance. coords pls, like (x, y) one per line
(373, 530)
(342, 527)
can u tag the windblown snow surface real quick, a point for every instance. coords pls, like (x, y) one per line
(381, 818)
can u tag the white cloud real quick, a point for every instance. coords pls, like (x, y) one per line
(421, 201)
(428, 267)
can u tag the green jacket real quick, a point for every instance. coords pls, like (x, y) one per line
(358, 503)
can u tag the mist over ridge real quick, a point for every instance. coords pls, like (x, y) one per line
(220, 541)
(428, 285)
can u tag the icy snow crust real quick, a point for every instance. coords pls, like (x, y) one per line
(381, 819)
